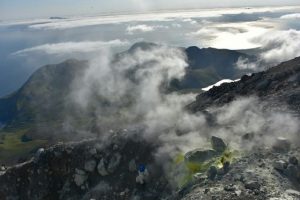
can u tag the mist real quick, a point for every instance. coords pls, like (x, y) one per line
(134, 88)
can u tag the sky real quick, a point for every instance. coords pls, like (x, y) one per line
(28, 44)
(21, 9)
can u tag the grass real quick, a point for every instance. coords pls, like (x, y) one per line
(12, 147)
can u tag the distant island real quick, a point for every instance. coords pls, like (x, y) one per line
(57, 18)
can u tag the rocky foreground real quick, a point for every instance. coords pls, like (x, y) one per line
(96, 170)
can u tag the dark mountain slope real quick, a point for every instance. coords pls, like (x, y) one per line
(280, 84)
(43, 95)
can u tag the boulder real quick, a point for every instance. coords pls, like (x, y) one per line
(218, 144)
(101, 168)
(226, 167)
(252, 185)
(132, 166)
(114, 162)
(199, 155)
(80, 177)
(93, 151)
(281, 145)
(90, 165)
(291, 172)
(293, 160)
(212, 172)
(280, 165)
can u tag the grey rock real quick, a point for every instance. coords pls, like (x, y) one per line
(293, 160)
(80, 177)
(263, 85)
(212, 172)
(199, 155)
(226, 166)
(252, 185)
(281, 145)
(90, 165)
(93, 151)
(114, 162)
(280, 165)
(101, 168)
(199, 177)
(291, 171)
(218, 144)
(132, 166)
(229, 188)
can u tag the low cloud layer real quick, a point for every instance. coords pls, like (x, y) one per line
(159, 16)
(71, 47)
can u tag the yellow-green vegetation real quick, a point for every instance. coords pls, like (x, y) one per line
(12, 147)
(192, 168)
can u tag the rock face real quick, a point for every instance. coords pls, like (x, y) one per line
(90, 165)
(80, 177)
(101, 168)
(200, 155)
(76, 171)
(280, 165)
(218, 144)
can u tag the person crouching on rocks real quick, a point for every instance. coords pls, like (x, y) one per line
(143, 175)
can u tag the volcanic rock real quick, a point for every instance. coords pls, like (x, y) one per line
(282, 145)
(200, 155)
(280, 165)
(218, 144)
(101, 168)
(90, 165)
(80, 177)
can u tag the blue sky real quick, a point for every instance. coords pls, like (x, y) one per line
(20, 9)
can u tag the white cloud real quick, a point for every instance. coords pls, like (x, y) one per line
(72, 47)
(232, 35)
(159, 16)
(291, 16)
(219, 83)
(279, 45)
(245, 63)
(140, 28)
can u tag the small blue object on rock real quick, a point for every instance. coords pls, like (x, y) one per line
(142, 167)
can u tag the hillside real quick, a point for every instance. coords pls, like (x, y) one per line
(107, 169)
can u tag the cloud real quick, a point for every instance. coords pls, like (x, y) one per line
(222, 35)
(142, 28)
(146, 17)
(278, 46)
(219, 83)
(71, 47)
(139, 28)
(291, 16)
(245, 64)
